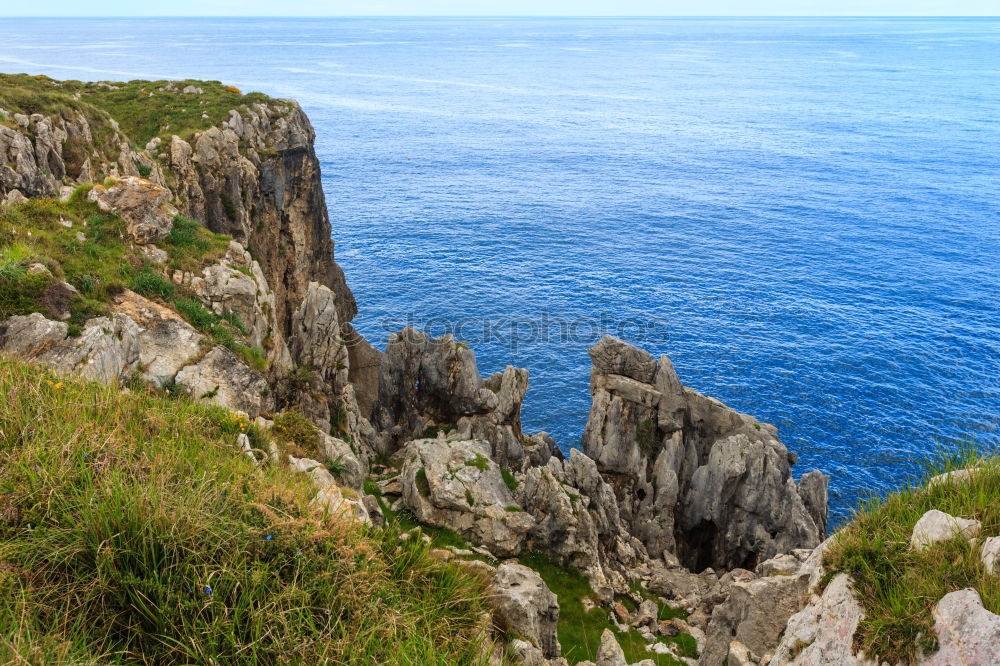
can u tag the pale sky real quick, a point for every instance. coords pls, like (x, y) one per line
(503, 8)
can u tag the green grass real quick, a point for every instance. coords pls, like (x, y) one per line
(293, 427)
(132, 530)
(899, 587)
(508, 479)
(192, 246)
(98, 266)
(141, 108)
(580, 630)
(151, 284)
(479, 462)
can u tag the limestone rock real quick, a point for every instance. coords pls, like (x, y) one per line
(739, 655)
(258, 180)
(577, 521)
(692, 476)
(28, 336)
(968, 634)
(524, 606)
(754, 614)
(106, 350)
(990, 555)
(316, 337)
(955, 476)
(936, 526)
(337, 451)
(425, 381)
(610, 653)
(454, 484)
(822, 633)
(144, 205)
(222, 378)
(13, 198)
(236, 285)
(166, 342)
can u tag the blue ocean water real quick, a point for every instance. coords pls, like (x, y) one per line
(802, 213)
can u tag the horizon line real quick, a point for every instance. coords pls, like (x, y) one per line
(509, 16)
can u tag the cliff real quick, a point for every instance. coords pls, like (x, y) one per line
(172, 238)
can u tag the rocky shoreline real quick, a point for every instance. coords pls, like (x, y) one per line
(674, 500)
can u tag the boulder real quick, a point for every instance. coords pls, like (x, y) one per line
(936, 526)
(107, 350)
(754, 614)
(524, 606)
(454, 484)
(222, 378)
(610, 653)
(143, 205)
(340, 454)
(968, 634)
(28, 336)
(166, 342)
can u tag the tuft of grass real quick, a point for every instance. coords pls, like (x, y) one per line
(508, 479)
(133, 530)
(191, 246)
(479, 462)
(580, 630)
(294, 427)
(898, 587)
(151, 284)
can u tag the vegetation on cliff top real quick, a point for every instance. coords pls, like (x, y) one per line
(143, 109)
(898, 586)
(133, 530)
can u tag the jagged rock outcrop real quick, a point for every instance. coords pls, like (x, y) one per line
(166, 342)
(455, 484)
(106, 350)
(143, 205)
(43, 150)
(691, 475)
(524, 606)
(822, 633)
(428, 381)
(220, 377)
(577, 521)
(754, 611)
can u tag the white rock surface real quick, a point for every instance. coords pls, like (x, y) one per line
(523, 605)
(968, 634)
(990, 554)
(936, 526)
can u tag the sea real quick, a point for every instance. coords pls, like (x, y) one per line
(803, 214)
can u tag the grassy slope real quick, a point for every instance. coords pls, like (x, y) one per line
(133, 530)
(580, 630)
(141, 108)
(897, 586)
(102, 264)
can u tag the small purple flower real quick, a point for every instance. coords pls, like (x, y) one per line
(208, 590)
(268, 537)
